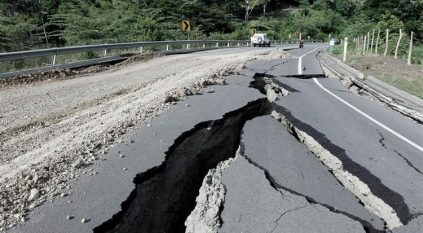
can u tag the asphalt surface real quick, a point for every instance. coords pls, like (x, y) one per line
(278, 185)
(390, 95)
(98, 197)
(295, 168)
(396, 163)
(252, 205)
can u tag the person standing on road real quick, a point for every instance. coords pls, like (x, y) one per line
(301, 43)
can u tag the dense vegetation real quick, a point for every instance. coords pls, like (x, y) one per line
(29, 24)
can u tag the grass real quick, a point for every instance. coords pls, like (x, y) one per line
(395, 72)
(411, 86)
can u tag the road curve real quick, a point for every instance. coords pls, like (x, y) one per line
(279, 148)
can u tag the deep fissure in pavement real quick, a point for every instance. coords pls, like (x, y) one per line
(165, 195)
(393, 199)
(259, 82)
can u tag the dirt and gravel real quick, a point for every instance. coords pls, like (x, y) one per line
(61, 74)
(52, 130)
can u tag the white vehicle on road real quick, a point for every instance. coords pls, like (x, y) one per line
(260, 39)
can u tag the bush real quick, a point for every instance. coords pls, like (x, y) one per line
(417, 57)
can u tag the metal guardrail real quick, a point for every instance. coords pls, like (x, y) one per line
(105, 48)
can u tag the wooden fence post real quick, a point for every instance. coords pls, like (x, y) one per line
(368, 42)
(345, 49)
(398, 44)
(410, 51)
(364, 44)
(386, 43)
(357, 43)
(373, 41)
(377, 42)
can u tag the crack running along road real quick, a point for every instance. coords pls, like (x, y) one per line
(411, 143)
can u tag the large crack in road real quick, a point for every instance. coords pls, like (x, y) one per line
(367, 226)
(386, 203)
(369, 189)
(375, 185)
(165, 196)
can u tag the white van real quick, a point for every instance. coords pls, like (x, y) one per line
(260, 39)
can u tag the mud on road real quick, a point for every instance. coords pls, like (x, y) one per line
(49, 130)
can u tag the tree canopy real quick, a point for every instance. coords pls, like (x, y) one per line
(28, 24)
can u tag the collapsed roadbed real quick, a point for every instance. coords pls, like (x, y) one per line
(164, 196)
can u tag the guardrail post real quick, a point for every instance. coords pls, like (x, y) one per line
(248, 44)
(204, 45)
(105, 53)
(217, 44)
(53, 59)
(238, 44)
(187, 46)
(141, 49)
(167, 47)
(228, 45)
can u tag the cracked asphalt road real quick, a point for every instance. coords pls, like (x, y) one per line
(293, 167)
(253, 205)
(361, 139)
(277, 184)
